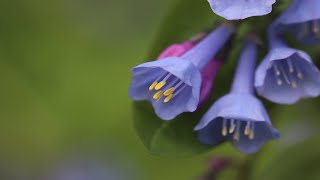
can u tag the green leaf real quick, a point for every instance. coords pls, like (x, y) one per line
(298, 162)
(176, 137)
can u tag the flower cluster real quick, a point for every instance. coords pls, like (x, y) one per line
(182, 77)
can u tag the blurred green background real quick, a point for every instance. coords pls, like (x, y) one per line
(64, 73)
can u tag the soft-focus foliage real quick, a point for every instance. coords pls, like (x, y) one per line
(65, 72)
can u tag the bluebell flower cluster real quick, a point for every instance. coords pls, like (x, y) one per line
(239, 116)
(181, 79)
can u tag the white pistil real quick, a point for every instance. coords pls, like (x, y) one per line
(279, 82)
(163, 82)
(276, 70)
(232, 126)
(247, 129)
(236, 135)
(224, 127)
(251, 135)
(294, 84)
(283, 72)
(299, 72)
(179, 90)
(290, 65)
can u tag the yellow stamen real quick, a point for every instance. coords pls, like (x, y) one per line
(168, 91)
(153, 85)
(232, 128)
(167, 99)
(224, 131)
(160, 85)
(247, 131)
(251, 135)
(157, 95)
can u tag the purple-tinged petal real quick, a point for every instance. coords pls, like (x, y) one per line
(241, 9)
(205, 50)
(302, 20)
(287, 75)
(208, 76)
(176, 50)
(301, 11)
(240, 110)
(187, 78)
(238, 116)
(172, 84)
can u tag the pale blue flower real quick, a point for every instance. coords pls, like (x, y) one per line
(302, 20)
(241, 9)
(239, 116)
(286, 75)
(173, 84)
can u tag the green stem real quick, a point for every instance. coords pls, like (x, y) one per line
(245, 170)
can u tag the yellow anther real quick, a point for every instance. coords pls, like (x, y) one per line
(168, 98)
(224, 131)
(160, 85)
(232, 128)
(153, 85)
(251, 135)
(168, 91)
(157, 95)
(247, 131)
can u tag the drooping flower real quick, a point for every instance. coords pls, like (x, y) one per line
(208, 74)
(302, 20)
(238, 116)
(241, 9)
(172, 84)
(286, 75)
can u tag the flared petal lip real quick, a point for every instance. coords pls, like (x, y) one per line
(262, 70)
(216, 112)
(301, 11)
(182, 69)
(213, 138)
(232, 15)
(174, 65)
(275, 134)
